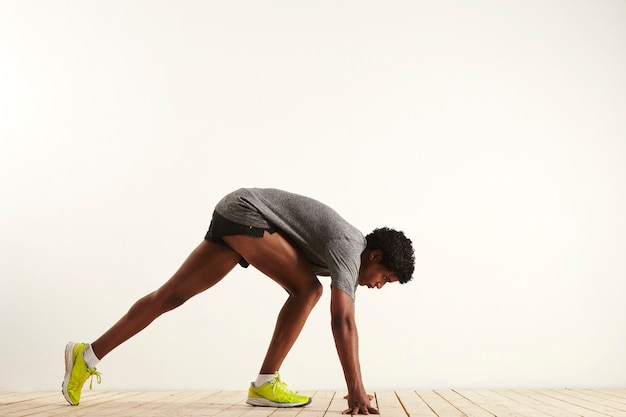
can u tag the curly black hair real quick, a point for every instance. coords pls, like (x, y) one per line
(398, 254)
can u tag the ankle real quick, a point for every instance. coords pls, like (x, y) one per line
(262, 379)
(90, 358)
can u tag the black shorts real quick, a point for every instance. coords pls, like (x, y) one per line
(221, 226)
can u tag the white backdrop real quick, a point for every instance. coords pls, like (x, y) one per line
(492, 133)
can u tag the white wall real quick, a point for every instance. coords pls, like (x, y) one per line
(492, 133)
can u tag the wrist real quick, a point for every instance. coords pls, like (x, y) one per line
(356, 389)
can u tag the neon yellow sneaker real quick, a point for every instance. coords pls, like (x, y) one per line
(275, 394)
(76, 372)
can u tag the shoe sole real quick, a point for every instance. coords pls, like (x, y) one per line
(263, 402)
(69, 365)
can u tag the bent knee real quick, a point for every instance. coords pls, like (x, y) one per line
(313, 291)
(318, 290)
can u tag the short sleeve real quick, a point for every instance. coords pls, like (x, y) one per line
(344, 261)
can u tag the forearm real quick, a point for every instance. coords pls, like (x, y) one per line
(347, 343)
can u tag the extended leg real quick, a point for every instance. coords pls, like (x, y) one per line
(204, 267)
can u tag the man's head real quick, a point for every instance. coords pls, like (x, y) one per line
(389, 253)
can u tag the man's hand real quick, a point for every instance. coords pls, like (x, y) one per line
(360, 405)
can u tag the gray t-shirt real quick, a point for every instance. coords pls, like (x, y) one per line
(332, 245)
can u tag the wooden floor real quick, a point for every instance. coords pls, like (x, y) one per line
(438, 403)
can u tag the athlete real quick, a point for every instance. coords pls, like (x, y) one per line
(292, 239)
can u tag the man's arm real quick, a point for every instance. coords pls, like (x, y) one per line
(347, 343)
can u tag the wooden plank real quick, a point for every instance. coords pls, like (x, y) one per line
(589, 396)
(222, 410)
(58, 406)
(319, 405)
(337, 404)
(414, 405)
(481, 398)
(563, 405)
(182, 403)
(536, 404)
(4, 395)
(132, 405)
(607, 394)
(154, 404)
(121, 404)
(389, 404)
(10, 398)
(464, 405)
(129, 405)
(216, 403)
(571, 397)
(253, 411)
(439, 405)
(54, 404)
(519, 407)
(618, 392)
(143, 404)
(226, 403)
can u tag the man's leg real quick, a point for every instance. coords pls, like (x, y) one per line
(204, 267)
(284, 263)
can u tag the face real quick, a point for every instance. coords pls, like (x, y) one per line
(373, 274)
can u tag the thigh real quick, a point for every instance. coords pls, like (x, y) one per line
(277, 258)
(202, 269)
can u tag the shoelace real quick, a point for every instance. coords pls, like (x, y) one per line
(281, 387)
(92, 373)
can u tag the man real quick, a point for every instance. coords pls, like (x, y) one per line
(291, 239)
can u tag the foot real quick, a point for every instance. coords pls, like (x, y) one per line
(275, 394)
(76, 372)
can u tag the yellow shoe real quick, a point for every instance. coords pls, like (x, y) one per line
(275, 394)
(76, 372)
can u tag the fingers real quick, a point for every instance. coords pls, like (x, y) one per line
(354, 411)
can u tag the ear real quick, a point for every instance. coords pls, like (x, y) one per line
(376, 255)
